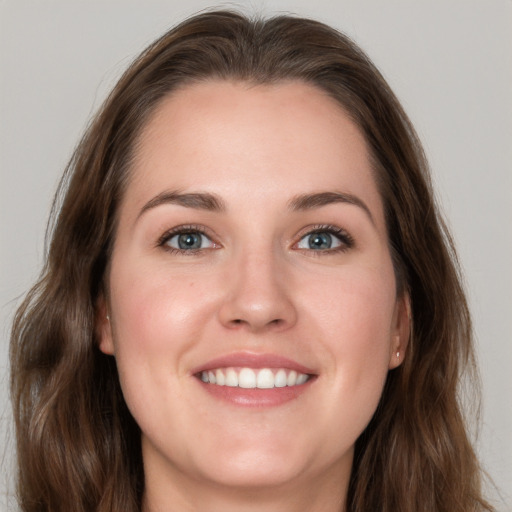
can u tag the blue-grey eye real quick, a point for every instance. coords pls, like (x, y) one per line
(189, 241)
(319, 241)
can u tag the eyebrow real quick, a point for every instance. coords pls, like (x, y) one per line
(213, 203)
(317, 200)
(196, 200)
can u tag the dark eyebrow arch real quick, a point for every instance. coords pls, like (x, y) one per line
(317, 200)
(196, 200)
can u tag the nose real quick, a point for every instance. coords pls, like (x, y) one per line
(257, 296)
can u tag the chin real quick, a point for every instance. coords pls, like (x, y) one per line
(253, 471)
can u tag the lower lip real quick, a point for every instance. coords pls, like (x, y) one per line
(256, 397)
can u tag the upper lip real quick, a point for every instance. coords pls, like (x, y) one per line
(252, 360)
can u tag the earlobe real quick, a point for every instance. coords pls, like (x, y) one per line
(104, 327)
(402, 331)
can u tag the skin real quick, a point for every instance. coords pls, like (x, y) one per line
(256, 287)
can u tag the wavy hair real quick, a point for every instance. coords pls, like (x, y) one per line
(78, 446)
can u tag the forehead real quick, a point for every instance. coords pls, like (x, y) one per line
(221, 135)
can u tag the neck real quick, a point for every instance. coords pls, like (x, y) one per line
(179, 493)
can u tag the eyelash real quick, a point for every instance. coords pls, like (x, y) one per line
(345, 239)
(179, 230)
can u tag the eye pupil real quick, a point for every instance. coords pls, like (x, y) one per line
(320, 241)
(189, 241)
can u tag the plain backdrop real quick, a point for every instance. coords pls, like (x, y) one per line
(450, 63)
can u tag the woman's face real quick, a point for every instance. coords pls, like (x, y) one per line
(252, 250)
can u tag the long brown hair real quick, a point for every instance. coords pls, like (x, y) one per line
(78, 446)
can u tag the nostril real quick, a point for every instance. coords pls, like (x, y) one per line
(276, 322)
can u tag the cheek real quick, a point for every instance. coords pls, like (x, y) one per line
(355, 314)
(353, 304)
(156, 315)
(350, 319)
(156, 320)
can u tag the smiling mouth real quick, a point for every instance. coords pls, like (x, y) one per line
(251, 378)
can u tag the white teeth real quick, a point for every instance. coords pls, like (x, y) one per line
(265, 379)
(231, 378)
(280, 379)
(301, 379)
(292, 378)
(219, 377)
(248, 378)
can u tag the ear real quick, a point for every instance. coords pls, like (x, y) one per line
(401, 331)
(103, 327)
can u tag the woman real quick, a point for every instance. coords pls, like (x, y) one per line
(250, 301)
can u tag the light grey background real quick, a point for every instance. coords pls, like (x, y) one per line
(450, 63)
